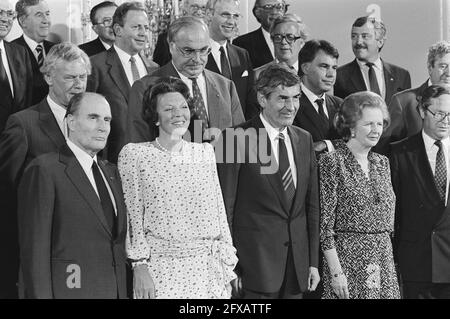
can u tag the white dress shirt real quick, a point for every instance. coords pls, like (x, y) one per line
(59, 112)
(312, 98)
(269, 42)
(378, 68)
(86, 161)
(4, 58)
(273, 136)
(125, 59)
(431, 150)
(106, 45)
(33, 44)
(215, 47)
(201, 84)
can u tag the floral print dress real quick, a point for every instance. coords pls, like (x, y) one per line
(357, 218)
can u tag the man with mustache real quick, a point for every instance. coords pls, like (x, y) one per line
(34, 131)
(114, 71)
(405, 120)
(34, 19)
(258, 43)
(74, 247)
(214, 97)
(227, 59)
(368, 71)
(101, 19)
(420, 177)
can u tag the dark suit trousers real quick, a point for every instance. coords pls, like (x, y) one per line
(289, 289)
(425, 290)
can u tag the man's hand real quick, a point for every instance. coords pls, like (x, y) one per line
(313, 278)
(320, 146)
(236, 288)
(143, 285)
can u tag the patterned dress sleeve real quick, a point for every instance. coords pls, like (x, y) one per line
(136, 244)
(328, 199)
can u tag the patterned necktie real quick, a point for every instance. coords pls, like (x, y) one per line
(321, 110)
(440, 174)
(199, 104)
(224, 64)
(134, 69)
(285, 170)
(105, 199)
(4, 82)
(373, 79)
(40, 55)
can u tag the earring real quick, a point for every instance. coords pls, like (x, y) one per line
(353, 135)
(157, 123)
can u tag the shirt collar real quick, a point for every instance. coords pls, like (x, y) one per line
(2, 46)
(215, 46)
(271, 131)
(123, 56)
(429, 141)
(377, 63)
(106, 45)
(30, 42)
(185, 78)
(84, 158)
(310, 95)
(59, 109)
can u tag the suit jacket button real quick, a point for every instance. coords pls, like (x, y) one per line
(286, 244)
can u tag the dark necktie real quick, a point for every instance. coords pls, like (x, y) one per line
(134, 69)
(373, 79)
(5, 88)
(440, 174)
(199, 104)
(224, 64)
(40, 55)
(321, 110)
(105, 199)
(285, 170)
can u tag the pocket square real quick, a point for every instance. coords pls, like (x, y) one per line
(244, 74)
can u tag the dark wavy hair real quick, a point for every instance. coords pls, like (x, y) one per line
(161, 86)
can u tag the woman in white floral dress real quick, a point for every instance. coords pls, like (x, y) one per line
(357, 206)
(179, 239)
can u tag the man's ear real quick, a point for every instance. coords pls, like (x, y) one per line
(305, 67)
(261, 99)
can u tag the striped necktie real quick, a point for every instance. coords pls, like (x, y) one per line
(285, 170)
(40, 55)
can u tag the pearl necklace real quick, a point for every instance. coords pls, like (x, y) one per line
(170, 152)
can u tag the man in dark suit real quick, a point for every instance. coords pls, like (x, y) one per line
(216, 102)
(227, 59)
(16, 75)
(317, 69)
(405, 120)
(34, 19)
(114, 71)
(75, 247)
(271, 193)
(194, 8)
(29, 133)
(101, 18)
(258, 43)
(368, 71)
(420, 177)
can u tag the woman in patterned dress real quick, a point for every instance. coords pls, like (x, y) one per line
(178, 236)
(357, 206)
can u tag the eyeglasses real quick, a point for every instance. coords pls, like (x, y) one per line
(10, 14)
(195, 7)
(439, 116)
(290, 38)
(107, 22)
(228, 16)
(192, 53)
(275, 6)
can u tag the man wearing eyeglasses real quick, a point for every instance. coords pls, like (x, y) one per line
(258, 43)
(214, 97)
(114, 71)
(194, 8)
(101, 19)
(227, 59)
(34, 19)
(420, 177)
(368, 71)
(288, 34)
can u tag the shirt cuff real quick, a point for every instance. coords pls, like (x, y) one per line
(330, 146)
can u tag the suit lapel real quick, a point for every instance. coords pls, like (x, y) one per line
(117, 193)
(78, 177)
(213, 97)
(275, 178)
(212, 65)
(147, 62)
(263, 47)
(235, 66)
(313, 116)
(117, 73)
(14, 65)
(389, 79)
(356, 77)
(49, 126)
